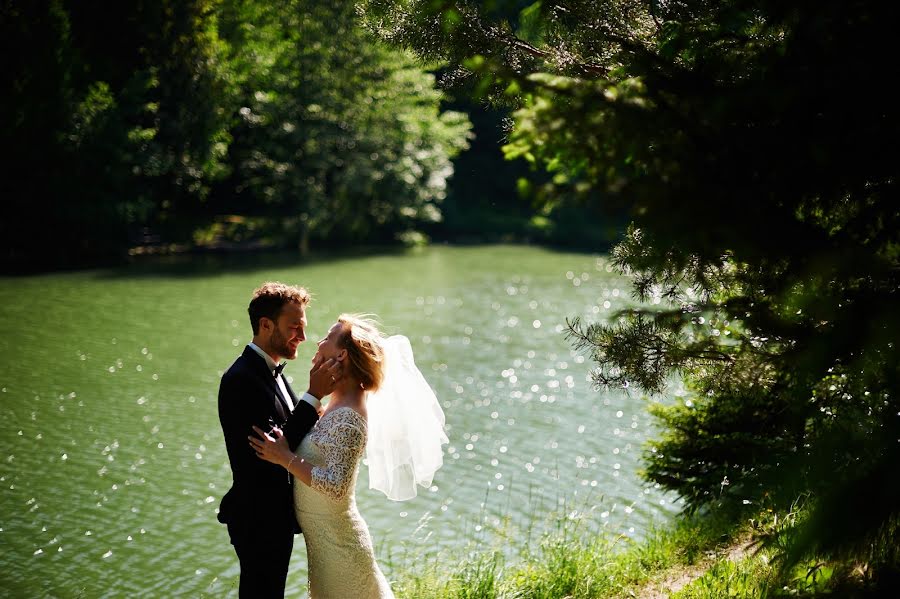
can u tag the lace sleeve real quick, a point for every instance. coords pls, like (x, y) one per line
(342, 452)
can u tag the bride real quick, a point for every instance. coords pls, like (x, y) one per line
(381, 405)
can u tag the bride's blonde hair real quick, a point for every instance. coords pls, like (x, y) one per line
(365, 350)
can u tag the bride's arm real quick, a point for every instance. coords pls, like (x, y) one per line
(275, 449)
(335, 478)
(342, 453)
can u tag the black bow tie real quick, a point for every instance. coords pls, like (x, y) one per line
(279, 368)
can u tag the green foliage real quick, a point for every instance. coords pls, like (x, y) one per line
(338, 134)
(762, 187)
(138, 123)
(567, 563)
(747, 579)
(116, 124)
(703, 556)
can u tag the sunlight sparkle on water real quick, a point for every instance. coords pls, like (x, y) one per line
(527, 433)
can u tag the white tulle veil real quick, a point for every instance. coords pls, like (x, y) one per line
(405, 426)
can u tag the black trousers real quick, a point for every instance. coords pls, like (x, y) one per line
(264, 557)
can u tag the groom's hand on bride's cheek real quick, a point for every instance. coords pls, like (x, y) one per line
(322, 378)
(335, 370)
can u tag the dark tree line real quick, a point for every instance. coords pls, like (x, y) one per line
(210, 121)
(166, 126)
(112, 122)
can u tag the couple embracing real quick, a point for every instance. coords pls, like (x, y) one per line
(294, 462)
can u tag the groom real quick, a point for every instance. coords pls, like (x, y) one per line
(259, 507)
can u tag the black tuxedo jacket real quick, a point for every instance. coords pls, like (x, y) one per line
(261, 495)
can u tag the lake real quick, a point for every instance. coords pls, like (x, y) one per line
(112, 461)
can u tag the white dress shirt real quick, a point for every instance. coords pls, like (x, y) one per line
(313, 401)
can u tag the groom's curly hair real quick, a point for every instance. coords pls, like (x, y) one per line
(270, 297)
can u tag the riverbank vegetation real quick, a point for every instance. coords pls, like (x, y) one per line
(762, 194)
(698, 557)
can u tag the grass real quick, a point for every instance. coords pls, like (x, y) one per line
(695, 558)
(561, 564)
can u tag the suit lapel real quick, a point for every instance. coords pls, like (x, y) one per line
(290, 391)
(284, 401)
(261, 369)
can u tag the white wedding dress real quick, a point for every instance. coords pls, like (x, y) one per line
(339, 552)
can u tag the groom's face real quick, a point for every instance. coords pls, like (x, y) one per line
(289, 331)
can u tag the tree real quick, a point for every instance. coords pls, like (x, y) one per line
(757, 159)
(340, 135)
(115, 124)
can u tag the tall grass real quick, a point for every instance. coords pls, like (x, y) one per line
(566, 561)
(696, 557)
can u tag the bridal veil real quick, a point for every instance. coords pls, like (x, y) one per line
(405, 426)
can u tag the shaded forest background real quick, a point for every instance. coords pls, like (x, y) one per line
(169, 126)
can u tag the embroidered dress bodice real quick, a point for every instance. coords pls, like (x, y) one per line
(340, 555)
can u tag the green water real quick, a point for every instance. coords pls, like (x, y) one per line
(112, 462)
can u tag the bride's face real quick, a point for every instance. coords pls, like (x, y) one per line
(328, 347)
